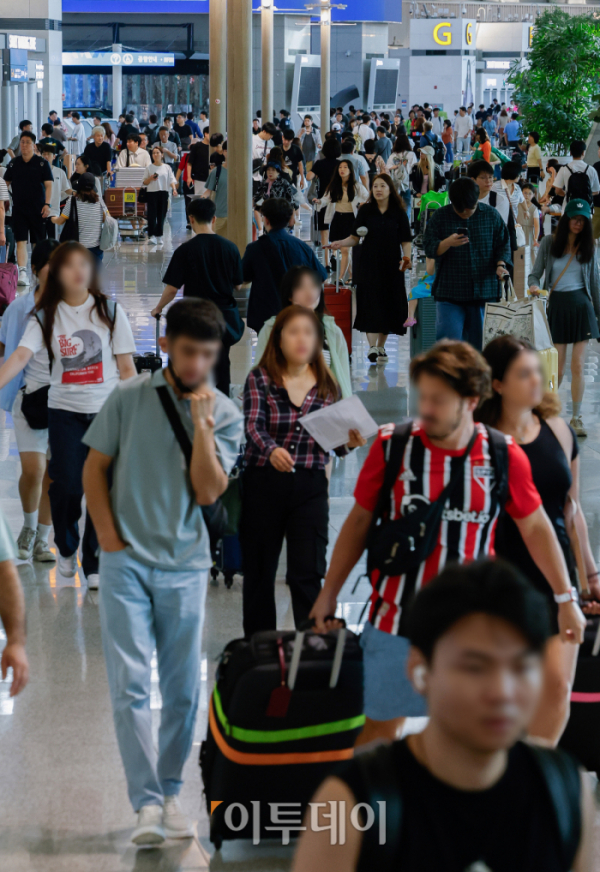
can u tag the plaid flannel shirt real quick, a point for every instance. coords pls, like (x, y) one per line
(272, 421)
(468, 272)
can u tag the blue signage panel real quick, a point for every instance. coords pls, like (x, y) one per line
(356, 10)
(116, 59)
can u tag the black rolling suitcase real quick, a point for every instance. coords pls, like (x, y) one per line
(423, 334)
(151, 360)
(582, 734)
(286, 709)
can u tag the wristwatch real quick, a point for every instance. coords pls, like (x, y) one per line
(571, 597)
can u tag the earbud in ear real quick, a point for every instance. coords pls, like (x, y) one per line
(419, 673)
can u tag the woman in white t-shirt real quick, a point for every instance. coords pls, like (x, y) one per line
(90, 345)
(159, 178)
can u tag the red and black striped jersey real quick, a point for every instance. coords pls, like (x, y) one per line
(470, 516)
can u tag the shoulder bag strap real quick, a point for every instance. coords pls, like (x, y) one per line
(185, 443)
(573, 254)
(561, 776)
(393, 465)
(499, 456)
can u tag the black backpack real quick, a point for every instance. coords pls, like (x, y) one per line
(439, 149)
(579, 186)
(378, 771)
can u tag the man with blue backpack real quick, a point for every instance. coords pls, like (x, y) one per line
(432, 139)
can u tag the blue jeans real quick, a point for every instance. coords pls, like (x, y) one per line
(449, 153)
(463, 145)
(406, 197)
(142, 609)
(460, 321)
(67, 456)
(98, 254)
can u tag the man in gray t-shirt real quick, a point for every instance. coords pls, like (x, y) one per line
(155, 550)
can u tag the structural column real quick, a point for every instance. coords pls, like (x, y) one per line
(217, 34)
(32, 90)
(239, 127)
(325, 14)
(266, 30)
(117, 82)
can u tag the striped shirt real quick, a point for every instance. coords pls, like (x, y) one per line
(90, 221)
(469, 521)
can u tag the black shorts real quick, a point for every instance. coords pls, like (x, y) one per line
(29, 225)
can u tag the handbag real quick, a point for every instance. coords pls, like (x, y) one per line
(215, 515)
(35, 408)
(110, 233)
(401, 545)
(524, 319)
(70, 231)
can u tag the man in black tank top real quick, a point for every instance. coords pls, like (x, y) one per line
(465, 795)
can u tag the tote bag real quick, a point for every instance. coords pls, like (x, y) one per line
(524, 319)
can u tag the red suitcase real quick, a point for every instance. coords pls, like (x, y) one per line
(339, 304)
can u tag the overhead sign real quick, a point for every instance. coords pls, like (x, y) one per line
(115, 59)
(454, 34)
(498, 65)
(14, 65)
(25, 42)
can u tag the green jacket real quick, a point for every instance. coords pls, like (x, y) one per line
(340, 361)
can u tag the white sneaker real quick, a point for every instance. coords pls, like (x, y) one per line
(23, 277)
(149, 830)
(41, 552)
(577, 425)
(152, 240)
(373, 354)
(93, 581)
(175, 823)
(160, 241)
(25, 543)
(383, 358)
(67, 566)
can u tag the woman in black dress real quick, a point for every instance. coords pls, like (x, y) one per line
(385, 254)
(520, 409)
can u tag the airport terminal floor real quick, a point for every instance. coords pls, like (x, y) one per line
(63, 798)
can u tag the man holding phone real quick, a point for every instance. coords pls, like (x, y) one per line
(471, 245)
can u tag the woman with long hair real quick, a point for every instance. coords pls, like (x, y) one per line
(90, 346)
(285, 491)
(567, 260)
(32, 442)
(322, 170)
(483, 145)
(426, 175)
(418, 129)
(111, 136)
(91, 214)
(302, 286)
(158, 179)
(520, 408)
(381, 304)
(341, 200)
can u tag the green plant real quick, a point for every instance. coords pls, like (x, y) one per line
(556, 91)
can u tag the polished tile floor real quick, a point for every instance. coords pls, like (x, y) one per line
(63, 802)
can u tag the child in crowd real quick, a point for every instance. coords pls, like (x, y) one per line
(420, 290)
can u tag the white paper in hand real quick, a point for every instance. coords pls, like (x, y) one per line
(329, 426)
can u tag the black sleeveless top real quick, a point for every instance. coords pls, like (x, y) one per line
(509, 827)
(552, 477)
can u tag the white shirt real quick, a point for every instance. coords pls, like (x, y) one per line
(437, 124)
(78, 132)
(576, 166)
(202, 124)
(409, 156)
(365, 132)
(165, 178)
(463, 126)
(502, 204)
(59, 190)
(139, 158)
(515, 198)
(84, 370)
(260, 149)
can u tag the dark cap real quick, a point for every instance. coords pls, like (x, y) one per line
(86, 182)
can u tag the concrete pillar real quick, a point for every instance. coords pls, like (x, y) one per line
(217, 35)
(239, 127)
(7, 112)
(325, 69)
(32, 90)
(266, 32)
(117, 83)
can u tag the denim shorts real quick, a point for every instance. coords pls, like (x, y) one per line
(389, 693)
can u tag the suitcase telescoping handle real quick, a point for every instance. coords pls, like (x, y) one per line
(337, 657)
(157, 334)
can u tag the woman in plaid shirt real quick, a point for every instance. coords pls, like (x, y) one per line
(285, 487)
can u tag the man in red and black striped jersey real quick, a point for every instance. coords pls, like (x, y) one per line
(451, 379)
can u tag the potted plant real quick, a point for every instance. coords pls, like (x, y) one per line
(556, 88)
